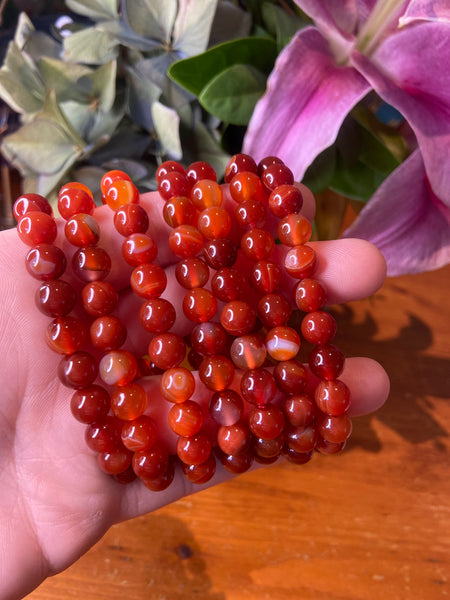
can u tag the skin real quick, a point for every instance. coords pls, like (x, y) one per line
(55, 502)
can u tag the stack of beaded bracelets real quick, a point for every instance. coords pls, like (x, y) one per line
(243, 337)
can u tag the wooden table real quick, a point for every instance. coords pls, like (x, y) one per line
(372, 523)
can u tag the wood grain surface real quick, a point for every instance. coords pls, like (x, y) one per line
(370, 524)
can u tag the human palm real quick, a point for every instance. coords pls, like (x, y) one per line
(55, 502)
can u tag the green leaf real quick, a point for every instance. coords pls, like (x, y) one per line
(151, 18)
(193, 26)
(358, 182)
(94, 9)
(21, 86)
(196, 72)
(232, 95)
(280, 23)
(167, 124)
(319, 174)
(90, 46)
(64, 79)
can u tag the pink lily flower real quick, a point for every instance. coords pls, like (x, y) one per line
(402, 51)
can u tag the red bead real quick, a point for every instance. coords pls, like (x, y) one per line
(300, 261)
(194, 450)
(266, 422)
(114, 462)
(208, 338)
(131, 218)
(168, 167)
(78, 370)
(301, 439)
(335, 429)
(174, 183)
(126, 477)
(37, 227)
(299, 409)
(107, 333)
(247, 186)
(148, 280)
(310, 295)
(118, 367)
(139, 434)
(186, 419)
(248, 351)
(220, 253)
(291, 376)
(66, 335)
(268, 448)
(129, 402)
(282, 343)
(238, 317)
(326, 361)
(297, 458)
(167, 350)
(206, 193)
(179, 210)
(104, 436)
(45, 262)
(90, 404)
(199, 305)
(151, 463)
(328, 448)
(185, 241)
(294, 230)
(26, 203)
(157, 315)
(73, 200)
(201, 473)
(163, 481)
(284, 200)
(228, 284)
(250, 213)
(237, 463)
(332, 397)
(216, 372)
(139, 248)
(237, 164)
(257, 244)
(121, 192)
(226, 407)
(268, 161)
(192, 272)
(177, 384)
(110, 176)
(274, 310)
(265, 276)
(200, 170)
(318, 327)
(99, 298)
(258, 387)
(214, 222)
(82, 230)
(91, 263)
(275, 175)
(234, 439)
(55, 298)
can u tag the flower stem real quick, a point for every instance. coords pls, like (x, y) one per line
(384, 12)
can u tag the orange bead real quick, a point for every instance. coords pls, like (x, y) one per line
(216, 372)
(185, 241)
(148, 281)
(129, 402)
(120, 192)
(300, 262)
(110, 176)
(214, 222)
(294, 230)
(199, 305)
(206, 193)
(186, 418)
(118, 367)
(247, 186)
(282, 343)
(177, 384)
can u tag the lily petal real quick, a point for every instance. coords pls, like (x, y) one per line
(410, 70)
(406, 221)
(306, 100)
(425, 10)
(332, 15)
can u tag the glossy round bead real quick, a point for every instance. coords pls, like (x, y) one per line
(247, 186)
(220, 253)
(177, 384)
(167, 350)
(282, 343)
(318, 327)
(72, 200)
(199, 305)
(185, 240)
(126, 477)
(91, 263)
(121, 192)
(237, 463)
(238, 317)
(257, 244)
(107, 333)
(332, 397)
(163, 481)
(157, 315)
(99, 298)
(186, 419)
(194, 450)
(131, 218)
(274, 310)
(214, 222)
(179, 210)
(82, 230)
(275, 175)
(37, 227)
(208, 338)
(148, 280)
(45, 262)
(151, 463)
(294, 230)
(26, 203)
(115, 462)
(226, 407)
(266, 422)
(335, 429)
(104, 436)
(326, 361)
(90, 404)
(139, 248)
(301, 439)
(234, 439)
(194, 359)
(55, 298)
(250, 213)
(206, 193)
(291, 376)
(329, 448)
(248, 351)
(110, 176)
(297, 458)
(146, 368)
(300, 261)
(174, 183)
(299, 410)
(265, 276)
(238, 163)
(216, 372)
(268, 448)
(201, 473)
(192, 272)
(129, 402)
(268, 161)
(258, 387)
(310, 295)
(66, 335)
(200, 170)
(139, 434)
(78, 370)
(118, 367)
(228, 284)
(168, 166)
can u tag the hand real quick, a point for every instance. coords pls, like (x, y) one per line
(55, 502)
